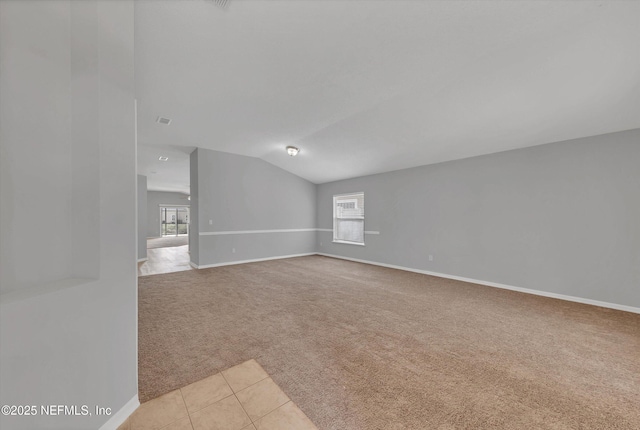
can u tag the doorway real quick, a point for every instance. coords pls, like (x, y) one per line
(170, 251)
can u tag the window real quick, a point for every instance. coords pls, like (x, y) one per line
(348, 218)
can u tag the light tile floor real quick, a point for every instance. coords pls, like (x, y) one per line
(165, 260)
(243, 397)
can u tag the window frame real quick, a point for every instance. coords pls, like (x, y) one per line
(335, 217)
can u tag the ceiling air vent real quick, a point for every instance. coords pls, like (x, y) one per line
(162, 120)
(223, 4)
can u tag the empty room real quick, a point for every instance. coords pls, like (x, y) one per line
(322, 214)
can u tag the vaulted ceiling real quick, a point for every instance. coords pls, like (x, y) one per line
(363, 87)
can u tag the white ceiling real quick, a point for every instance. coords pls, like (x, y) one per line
(171, 175)
(370, 86)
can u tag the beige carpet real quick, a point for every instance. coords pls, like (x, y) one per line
(357, 346)
(167, 242)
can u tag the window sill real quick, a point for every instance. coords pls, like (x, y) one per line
(348, 243)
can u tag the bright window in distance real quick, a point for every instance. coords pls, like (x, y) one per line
(348, 218)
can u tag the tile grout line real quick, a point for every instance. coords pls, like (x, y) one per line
(189, 413)
(205, 407)
(239, 402)
(257, 382)
(167, 424)
(267, 377)
(177, 419)
(187, 408)
(234, 393)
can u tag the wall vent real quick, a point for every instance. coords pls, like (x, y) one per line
(223, 4)
(162, 120)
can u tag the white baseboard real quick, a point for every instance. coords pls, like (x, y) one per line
(255, 260)
(496, 285)
(119, 417)
(140, 260)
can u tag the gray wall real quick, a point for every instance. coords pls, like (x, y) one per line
(154, 200)
(68, 304)
(142, 217)
(561, 218)
(238, 193)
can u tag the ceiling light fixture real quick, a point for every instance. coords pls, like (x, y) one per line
(163, 158)
(292, 151)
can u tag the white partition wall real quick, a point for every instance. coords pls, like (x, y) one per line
(67, 210)
(247, 209)
(142, 218)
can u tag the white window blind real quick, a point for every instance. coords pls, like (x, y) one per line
(348, 218)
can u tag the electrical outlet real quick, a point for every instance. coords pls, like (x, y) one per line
(233, 250)
(320, 243)
(430, 257)
(210, 222)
